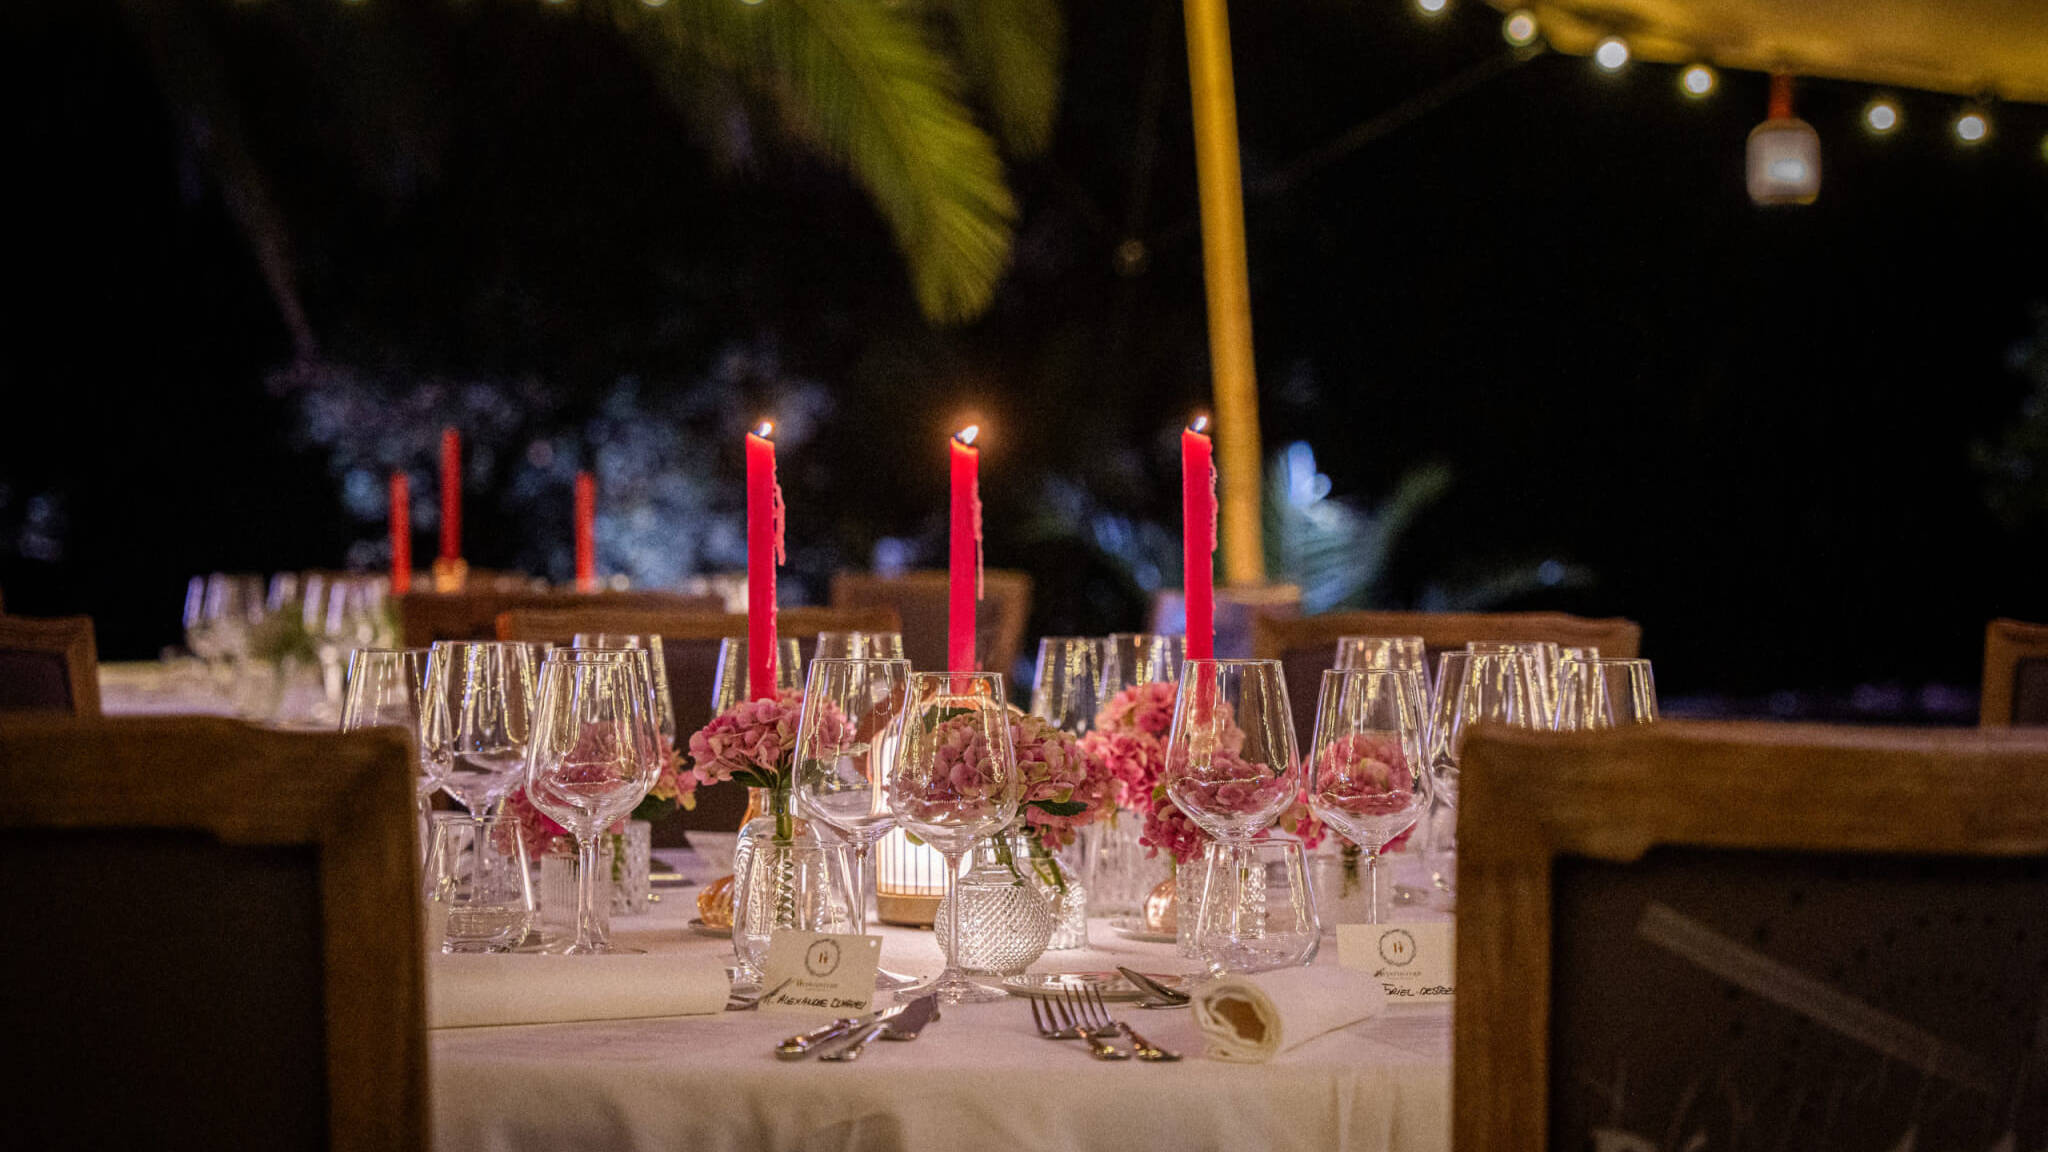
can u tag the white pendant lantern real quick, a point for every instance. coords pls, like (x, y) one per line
(1784, 153)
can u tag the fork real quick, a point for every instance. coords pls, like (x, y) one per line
(1059, 1028)
(1096, 1019)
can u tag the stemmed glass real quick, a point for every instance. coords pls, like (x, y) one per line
(1066, 691)
(657, 670)
(1472, 687)
(478, 719)
(384, 689)
(1366, 774)
(1542, 658)
(341, 616)
(1231, 767)
(1613, 693)
(595, 753)
(846, 742)
(858, 646)
(1140, 658)
(1400, 653)
(955, 781)
(735, 681)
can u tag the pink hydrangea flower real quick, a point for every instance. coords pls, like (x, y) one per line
(1129, 741)
(754, 740)
(1366, 773)
(1056, 773)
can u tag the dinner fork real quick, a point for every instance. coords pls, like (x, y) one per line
(1054, 1028)
(1095, 1018)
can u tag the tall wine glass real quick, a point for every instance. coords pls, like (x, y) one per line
(385, 689)
(1366, 774)
(1230, 766)
(1542, 658)
(595, 753)
(735, 682)
(955, 781)
(478, 719)
(1066, 691)
(1613, 693)
(1141, 658)
(1400, 653)
(858, 646)
(657, 670)
(846, 742)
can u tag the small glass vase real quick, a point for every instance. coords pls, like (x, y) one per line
(778, 894)
(1060, 884)
(1004, 923)
(1115, 868)
(631, 863)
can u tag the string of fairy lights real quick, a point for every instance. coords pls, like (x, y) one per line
(1784, 151)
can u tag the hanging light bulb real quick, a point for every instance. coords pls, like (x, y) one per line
(1519, 29)
(1784, 152)
(1612, 53)
(1881, 116)
(1697, 81)
(1972, 126)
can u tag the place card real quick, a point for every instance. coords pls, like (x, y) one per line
(820, 972)
(1414, 962)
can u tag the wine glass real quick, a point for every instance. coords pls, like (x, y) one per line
(735, 682)
(595, 753)
(1066, 691)
(478, 719)
(1367, 777)
(657, 670)
(1140, 658)
(955, 781)
(846, 742)
(1613, 693)
(341, 616)
(858, 646)
(1542, 657)
(385, 689)
(1400, 653)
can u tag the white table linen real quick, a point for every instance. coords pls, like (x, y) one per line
(472, 991)
(1251, 1019)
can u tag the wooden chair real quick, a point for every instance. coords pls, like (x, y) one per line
(1688, 935)
(2015, 675)
(213, 945)
(919, 599)
(1306, 645)
(49, 666)
(472, 614)
(689, 648)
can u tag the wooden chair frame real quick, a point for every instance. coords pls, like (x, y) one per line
(70, 637)
(427, 616)
(1529, 798)
(250, 786)
(2006, 644)
(1273, 636)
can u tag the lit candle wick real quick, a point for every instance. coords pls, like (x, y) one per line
(966, 435)
(1201, 424)
(766, 430)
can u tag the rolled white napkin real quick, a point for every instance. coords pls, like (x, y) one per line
(1251, 1019)
(521, 988)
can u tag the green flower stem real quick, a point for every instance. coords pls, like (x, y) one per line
(1047, 865)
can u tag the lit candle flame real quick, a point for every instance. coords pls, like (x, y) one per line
(1201, 424)
(966, 435)
(766, 430)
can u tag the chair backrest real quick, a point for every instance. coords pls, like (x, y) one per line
(2015, 690)
(216, 944)
(472, 614)
(49, 666)
(1306, 645)
(1691, 935)
(919, 600)
(689, 649)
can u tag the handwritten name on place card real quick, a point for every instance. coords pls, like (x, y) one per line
(1414, 962)
(820, 972)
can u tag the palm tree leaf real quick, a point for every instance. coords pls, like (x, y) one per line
(1012, 50)
(864, 84)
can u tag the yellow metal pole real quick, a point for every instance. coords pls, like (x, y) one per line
(1230, 298)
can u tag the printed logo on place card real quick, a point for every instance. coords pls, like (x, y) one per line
(1413, 962)
(820, 972)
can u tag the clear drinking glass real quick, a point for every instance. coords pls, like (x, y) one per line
(1542, 657)
(955, 781)
(1367, 777)
(1140, 658)
(596, 750)
(846, 742)
(787, 887)
(858, 646)
(735, 681)
(657, 670)
(342, 614)
(1596, 693)
(1400, 653)
(478, 718)
(478, 887)
(1257, 910)
(1066, 691)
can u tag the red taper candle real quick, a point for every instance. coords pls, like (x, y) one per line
(1198, 536)
(964, 566)
(764, 552)
(401, 534)
(451, 494)
(586, 532)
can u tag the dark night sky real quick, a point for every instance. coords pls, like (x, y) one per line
(1752, 426)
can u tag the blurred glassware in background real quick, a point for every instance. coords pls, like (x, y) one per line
(1400, 653)
(1066, 689)
(1141, 658)
(735, 682)
(1612, 693)
(858, 646)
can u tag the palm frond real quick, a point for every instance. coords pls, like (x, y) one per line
(864, 84)
(1012, 50)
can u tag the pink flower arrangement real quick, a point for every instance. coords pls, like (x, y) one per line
(1366, 773)
(672, 788)
(754, 740)
(1129, 741)
(1062, 787)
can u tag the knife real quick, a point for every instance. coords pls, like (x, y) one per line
(1148, 984)
(798, 1047)
(911, 1021)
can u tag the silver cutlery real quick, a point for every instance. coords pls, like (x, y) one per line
(1054, 1023)
(1162, 996)
(798, 1047)
(1095, 1018)
(910, 1021)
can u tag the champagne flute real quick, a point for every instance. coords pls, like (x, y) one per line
(1066, 690)
(1366, 774)
(478, 719)
(858, 646)
(735, 682)
(846, 742)
(595, 753)
(953, 782)
(1613, 693)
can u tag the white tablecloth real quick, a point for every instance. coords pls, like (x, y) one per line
(979, 1080)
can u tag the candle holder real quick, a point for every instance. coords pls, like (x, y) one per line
(450, 575)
